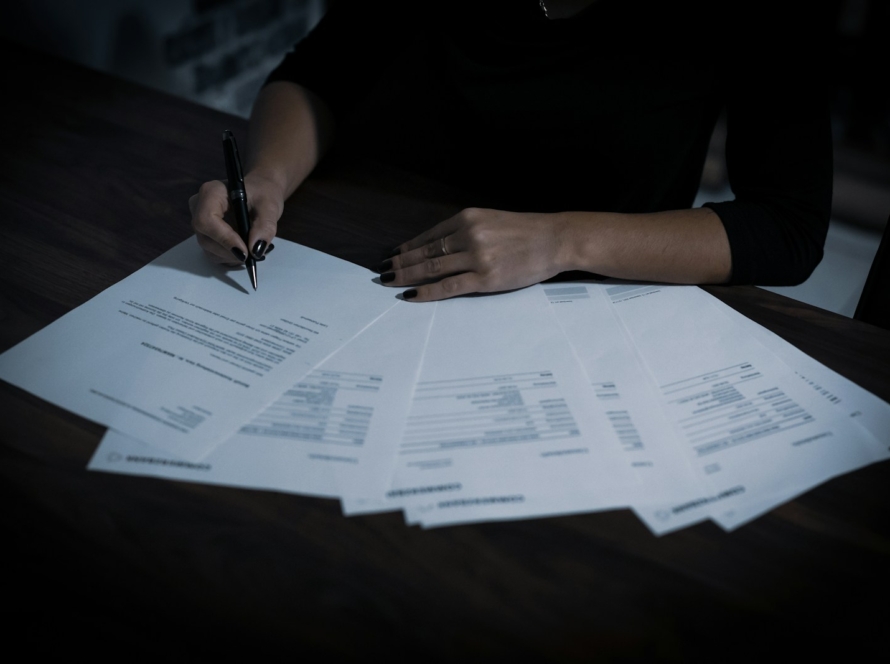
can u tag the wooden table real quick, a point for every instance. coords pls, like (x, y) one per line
(94, 179)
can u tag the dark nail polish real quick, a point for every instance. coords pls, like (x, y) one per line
(239, 254)
(395, 252)
(385, 266)
(386, 277)
(409, 294)
(259, 248)
(270, 248)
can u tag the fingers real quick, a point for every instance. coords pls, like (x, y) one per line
(428, 270)
(441, 276)
(440, 230)
(440, 247)
(216, 237)
(475, 251)
(217, 252)
(437, 259)
(459, 284)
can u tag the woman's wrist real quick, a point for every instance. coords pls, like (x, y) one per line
(577, 246)
(269, 184)
(290, 129)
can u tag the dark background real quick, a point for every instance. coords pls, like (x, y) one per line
(218, 52)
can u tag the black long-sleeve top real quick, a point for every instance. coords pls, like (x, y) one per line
(610, 110)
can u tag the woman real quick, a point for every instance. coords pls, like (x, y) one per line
(587, 121)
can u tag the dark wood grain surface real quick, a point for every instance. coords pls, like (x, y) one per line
(94, 180)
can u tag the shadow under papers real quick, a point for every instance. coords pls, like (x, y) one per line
(575, 275)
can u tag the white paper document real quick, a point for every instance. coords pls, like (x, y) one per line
(332, 433)
(837, 393)
(180, 354)
(502, 411)
(729, 507)
(750, 425)
(623, 389)
(622, 394)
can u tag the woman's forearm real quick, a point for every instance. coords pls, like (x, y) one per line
(482, 250)
(680, 246)
(290, 130)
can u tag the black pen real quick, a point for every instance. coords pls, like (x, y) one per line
(238, 198)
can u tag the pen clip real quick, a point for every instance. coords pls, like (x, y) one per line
(233, 161)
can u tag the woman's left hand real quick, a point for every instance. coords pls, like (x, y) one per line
(479, 251)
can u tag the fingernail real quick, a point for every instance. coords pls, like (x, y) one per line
(239, 254)
(259, 248)
(395, 252)
(270, 248)
(386, 277)
(408, 294)
(385, 266)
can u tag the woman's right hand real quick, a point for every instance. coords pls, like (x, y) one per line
(214, 226)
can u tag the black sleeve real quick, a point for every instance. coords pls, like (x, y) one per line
(779, 154)
(342, 58)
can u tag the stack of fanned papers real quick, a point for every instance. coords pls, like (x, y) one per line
(554, 399)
